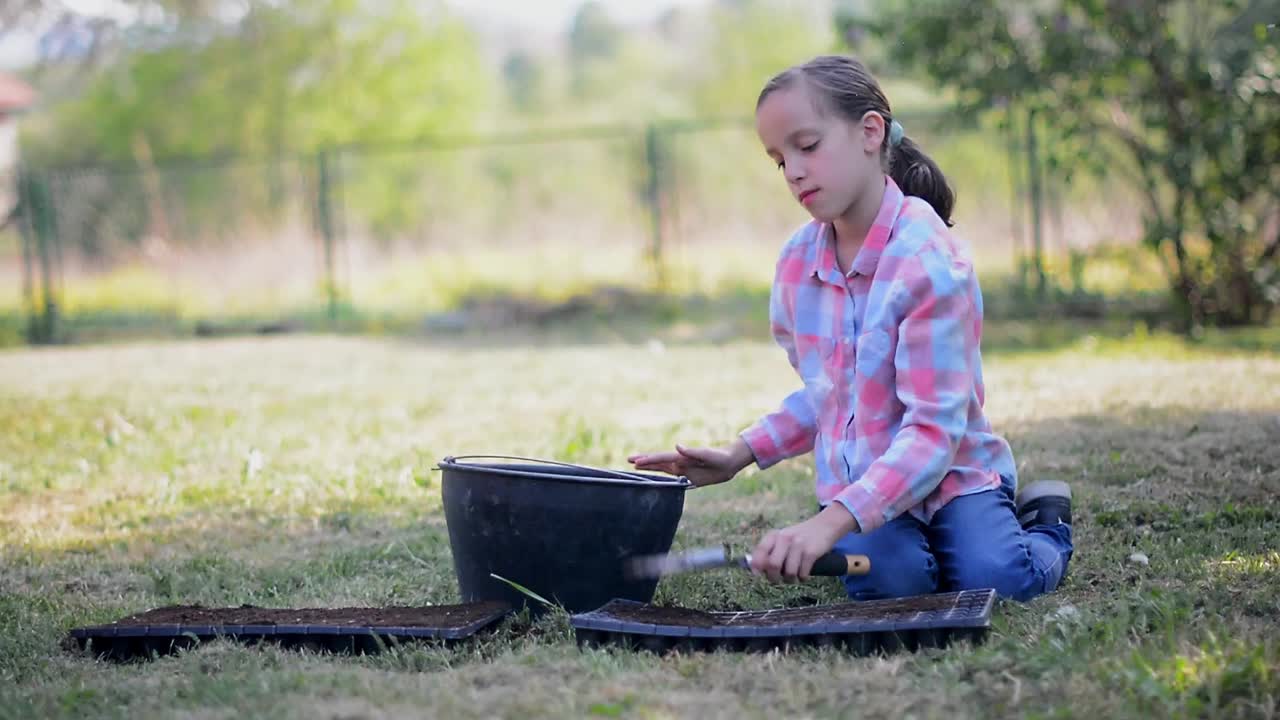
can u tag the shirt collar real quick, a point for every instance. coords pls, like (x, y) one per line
(868, 257)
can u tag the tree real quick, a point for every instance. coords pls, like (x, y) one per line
(101, 31)
(593, 39)
(523, 74)
(281, 81)
(1183, 96)
(751, 40)
(593, 34)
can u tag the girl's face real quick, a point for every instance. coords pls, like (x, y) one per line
(829, 162)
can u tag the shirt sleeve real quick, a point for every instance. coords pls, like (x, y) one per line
(792, 428)
(936, 342)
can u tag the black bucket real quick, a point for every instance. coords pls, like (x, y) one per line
(561, 531)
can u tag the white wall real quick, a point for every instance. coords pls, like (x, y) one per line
(8, 163)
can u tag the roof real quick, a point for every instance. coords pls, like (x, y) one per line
(14, 94)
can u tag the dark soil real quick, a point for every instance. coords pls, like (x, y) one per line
(660, 615)
(865, 611)
(443, 616)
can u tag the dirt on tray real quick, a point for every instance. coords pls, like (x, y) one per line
(665, 615)
(869, 610)
(446, 616)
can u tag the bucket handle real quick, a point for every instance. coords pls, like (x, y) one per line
(615, 473)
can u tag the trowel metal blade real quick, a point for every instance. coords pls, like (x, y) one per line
(656, 566)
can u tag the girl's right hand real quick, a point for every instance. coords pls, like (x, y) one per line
(703, 466)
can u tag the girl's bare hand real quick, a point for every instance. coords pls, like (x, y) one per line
(702, 465)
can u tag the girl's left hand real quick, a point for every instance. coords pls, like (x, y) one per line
(788, 554)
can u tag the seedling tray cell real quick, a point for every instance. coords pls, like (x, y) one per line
(340, 630)
(862, 628)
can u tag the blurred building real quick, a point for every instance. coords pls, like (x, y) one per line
(15, 97)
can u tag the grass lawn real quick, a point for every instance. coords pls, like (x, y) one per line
(297, 471)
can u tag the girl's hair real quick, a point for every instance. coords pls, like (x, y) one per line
(844, 85)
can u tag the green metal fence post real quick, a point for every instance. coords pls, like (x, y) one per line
(1037, 205)
(1016, 205)
(324, 219)
(653, 153)
(21, 215)
(39, 230)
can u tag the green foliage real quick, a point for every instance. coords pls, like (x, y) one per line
(388, 71)
(593, 34)
(593, 39)
(1182, 96)
(283, 94)
(751, 40)
(525, 80)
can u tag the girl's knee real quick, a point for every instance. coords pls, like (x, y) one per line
(1012, 578)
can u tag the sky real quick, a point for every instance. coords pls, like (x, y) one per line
(540, 16)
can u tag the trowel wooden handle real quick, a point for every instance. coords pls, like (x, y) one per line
(835, 564)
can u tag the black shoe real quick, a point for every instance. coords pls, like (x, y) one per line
(1047, 502)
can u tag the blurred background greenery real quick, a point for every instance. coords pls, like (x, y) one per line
(218, 166)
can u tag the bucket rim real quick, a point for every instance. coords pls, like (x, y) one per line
(635, 480)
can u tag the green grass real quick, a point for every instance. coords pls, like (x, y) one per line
(298, 472)
(714, 289)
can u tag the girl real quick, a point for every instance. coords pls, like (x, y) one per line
(878, 308)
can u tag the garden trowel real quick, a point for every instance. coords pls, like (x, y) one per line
(833, 564)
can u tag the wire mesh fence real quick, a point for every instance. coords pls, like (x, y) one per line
(391, 234)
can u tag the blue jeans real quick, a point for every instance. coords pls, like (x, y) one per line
(973, 542)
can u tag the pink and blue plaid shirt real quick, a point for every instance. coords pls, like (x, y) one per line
(889, 355)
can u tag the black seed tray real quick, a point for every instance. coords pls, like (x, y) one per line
(862, 628)
(131, 638)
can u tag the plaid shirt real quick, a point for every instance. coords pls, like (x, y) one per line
(892, 397)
